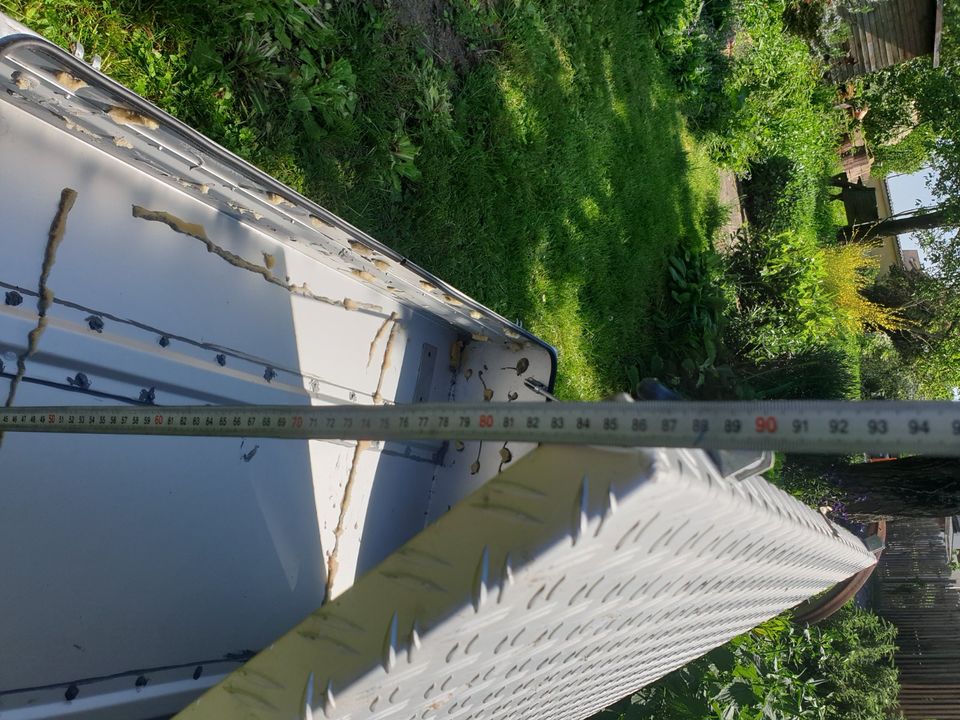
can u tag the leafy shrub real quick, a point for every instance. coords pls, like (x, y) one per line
(663, 15)
(771, 193)
(850, 269)
(888, 93)
(283, 59)
(699, 357)
(840, 670)
(778, 281)
(883, 373)
(907, 156)
(688, 323)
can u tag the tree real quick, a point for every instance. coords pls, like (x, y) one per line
(897, 225)
(928, 342)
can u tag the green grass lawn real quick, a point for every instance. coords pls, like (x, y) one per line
(534, 156)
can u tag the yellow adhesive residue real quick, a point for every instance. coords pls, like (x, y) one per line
(69, 81)
(456, 354)
(275, 199)
(476, 314)
(362, 274)
(427, 286)
(385, 365)
(360, 249)
(333, 563)
(198, 232)
(71, 125)
(203, 188)
(379, 334)
(381, 264)
(479, 338)
(269, 260)
(121, 142)
(131, 117)
(23, 81)
(452, 300)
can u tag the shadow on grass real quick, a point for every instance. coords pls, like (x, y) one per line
(570, 193)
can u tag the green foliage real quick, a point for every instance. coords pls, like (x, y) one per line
(814, 373)
(664, 15)
(840, 670)
(907, 156)
(806, 476)
(883, 373)
(701, 356)
(929, 342)
(688, 326)
(772, 194)
(778, 281)
(772, 102)
(916, 94)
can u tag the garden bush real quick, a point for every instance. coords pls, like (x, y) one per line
(839, 670)
(850, 269)
(782, 306)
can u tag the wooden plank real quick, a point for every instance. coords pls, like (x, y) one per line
(872, 58)
(860, 44)
(893, 32)
(909, 21)
(937, 33)
(883, 27)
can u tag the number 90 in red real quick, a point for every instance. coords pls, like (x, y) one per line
(766, 424)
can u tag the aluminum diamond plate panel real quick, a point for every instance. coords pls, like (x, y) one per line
(561, 585)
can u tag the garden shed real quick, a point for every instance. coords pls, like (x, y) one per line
(891, 32)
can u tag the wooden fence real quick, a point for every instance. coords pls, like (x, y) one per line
(913, 590)
(891, 32)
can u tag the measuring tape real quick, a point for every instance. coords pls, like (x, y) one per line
(931, 428)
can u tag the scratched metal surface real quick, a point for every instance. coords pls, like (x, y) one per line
(144, 569)
(560, 586)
